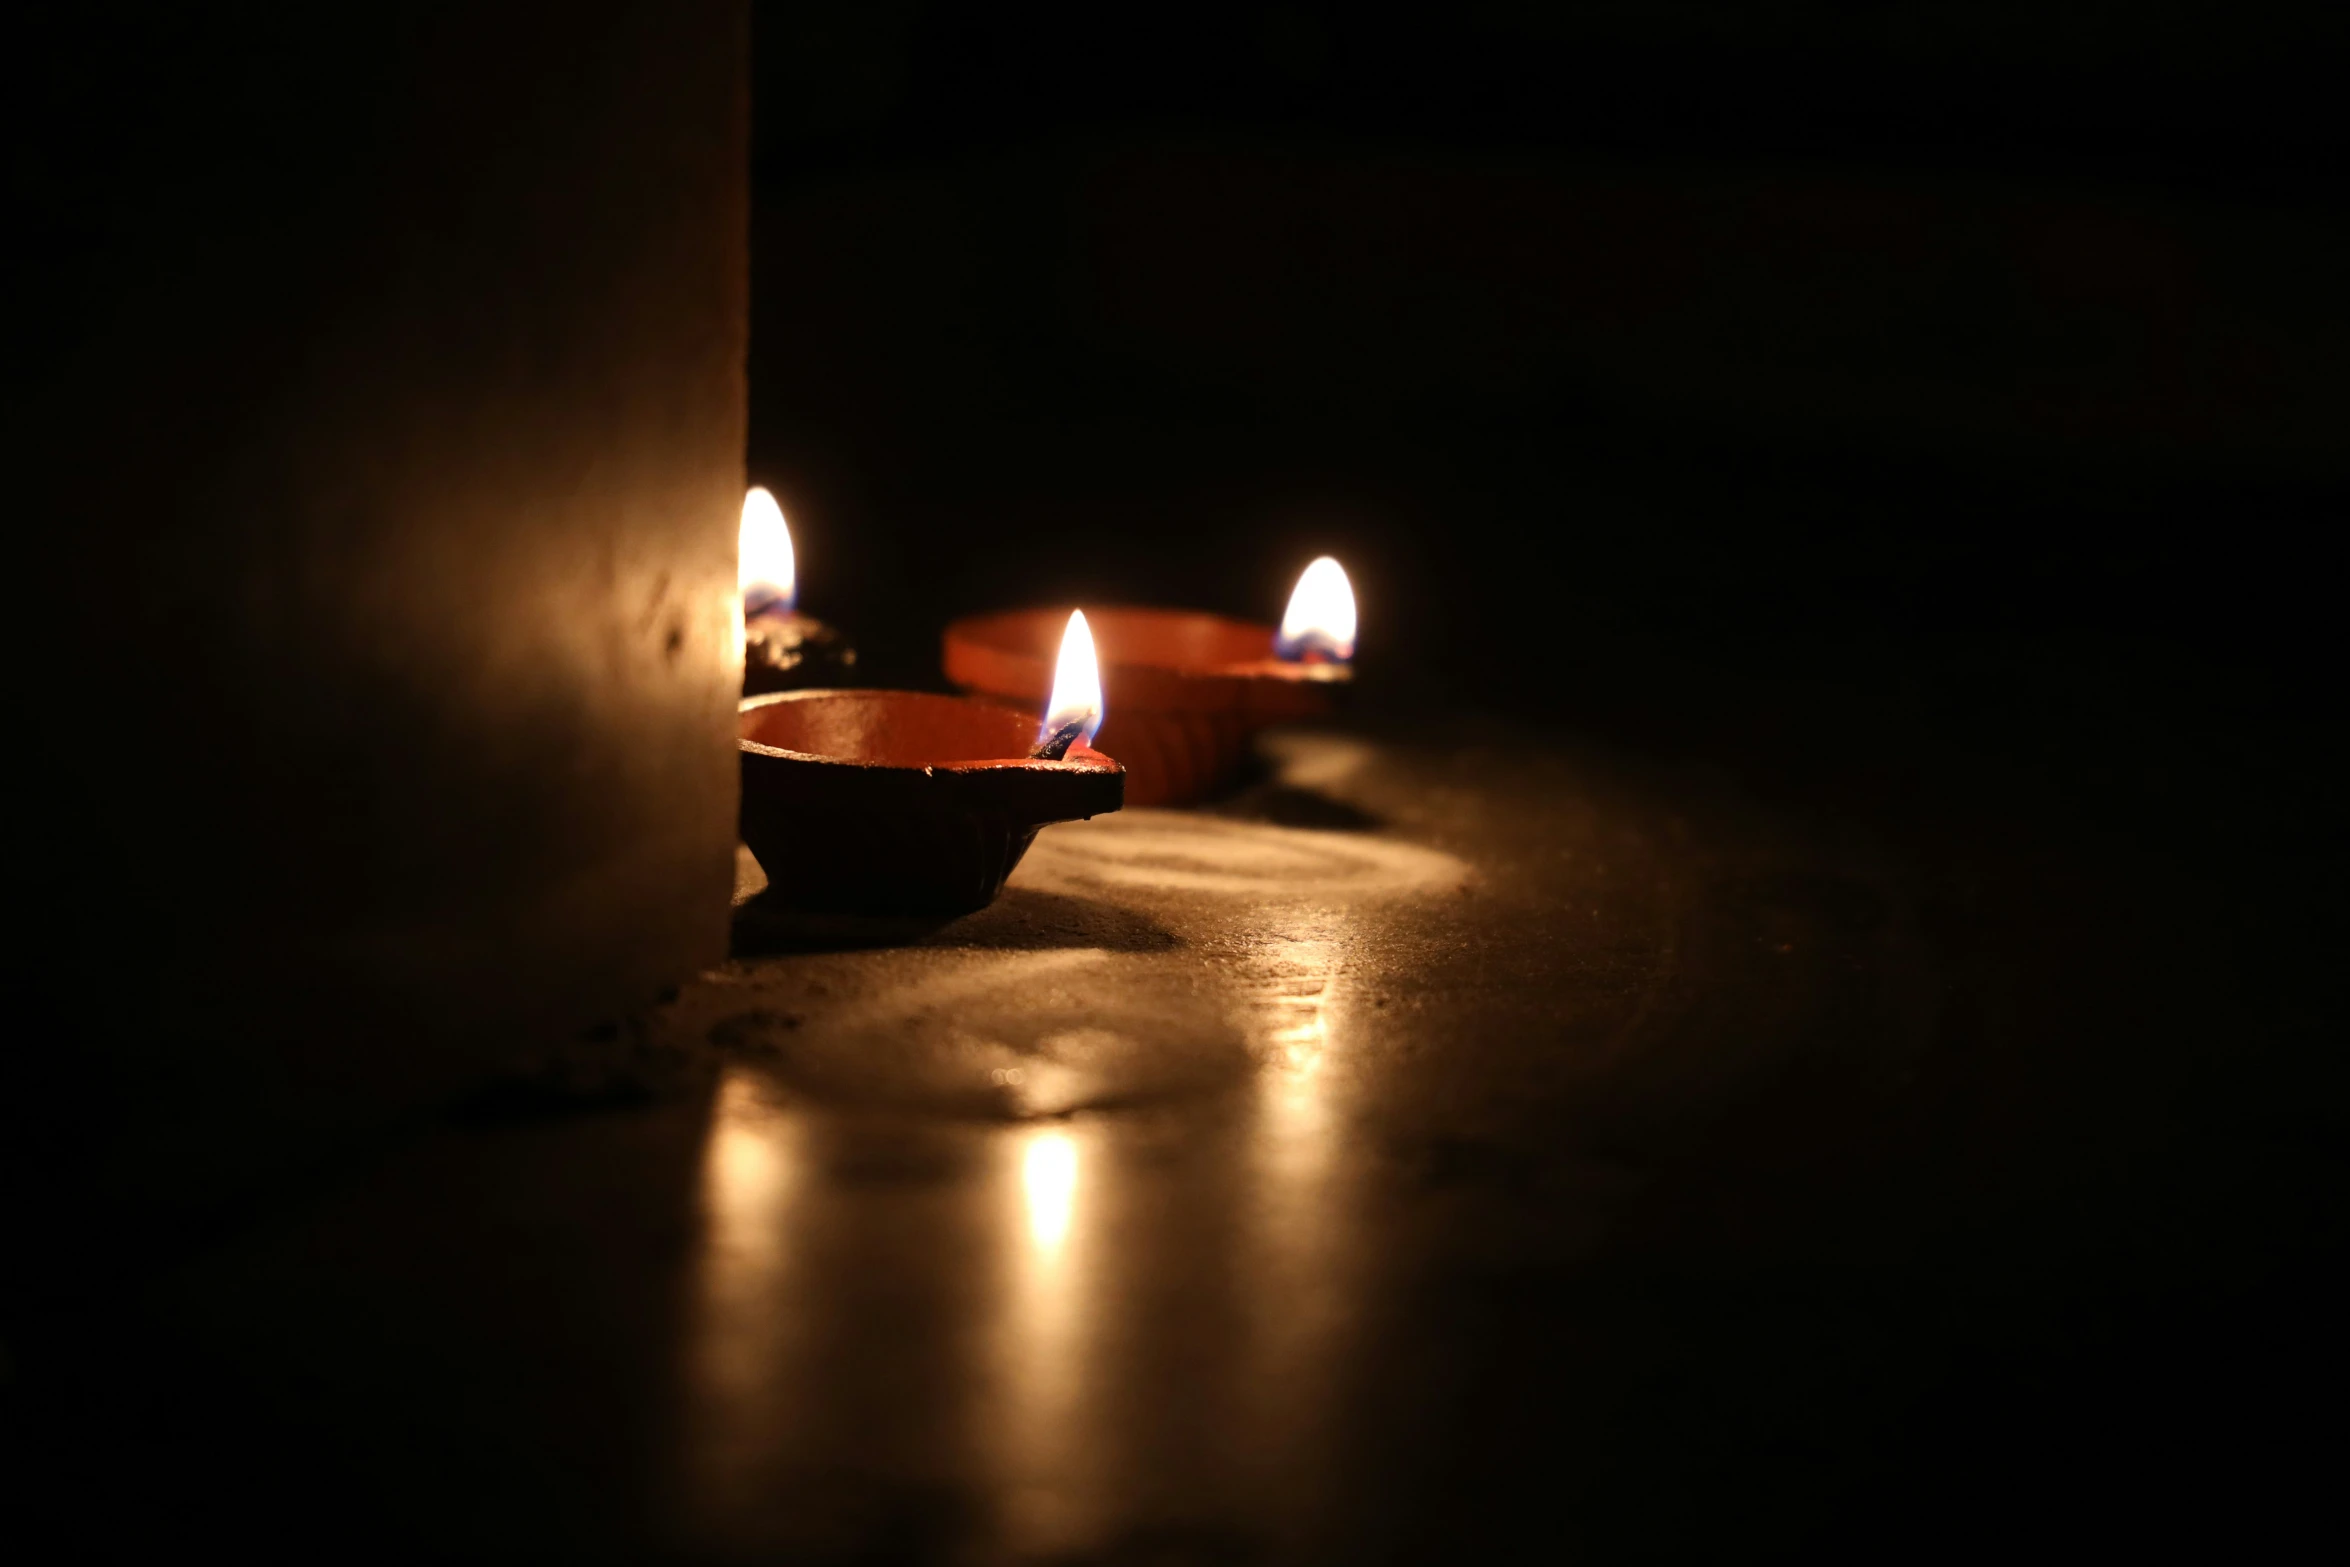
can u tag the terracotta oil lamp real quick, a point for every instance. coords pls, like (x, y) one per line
(908, 803)
(783, 650)
(1191, 687)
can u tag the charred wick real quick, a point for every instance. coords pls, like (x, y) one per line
(1056, 745)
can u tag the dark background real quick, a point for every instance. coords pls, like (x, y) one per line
(1723, 340)
(1929, 408)
(1931, 416)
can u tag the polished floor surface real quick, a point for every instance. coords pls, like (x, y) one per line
(1435, 1147)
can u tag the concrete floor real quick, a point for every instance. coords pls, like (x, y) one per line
(1432, 1147)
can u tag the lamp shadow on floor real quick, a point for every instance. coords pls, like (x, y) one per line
(1287, 805)
(1022, 919)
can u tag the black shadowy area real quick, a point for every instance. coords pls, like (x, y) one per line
(765, 925)
(1286, 805)
(1021, 919)
(1027, 919)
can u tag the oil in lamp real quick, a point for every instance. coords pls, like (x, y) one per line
(909, 803)
(1192, 687)
(783, 650)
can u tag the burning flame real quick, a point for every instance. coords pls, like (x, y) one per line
(1077, 685)
(764, 565)
(1320, 620)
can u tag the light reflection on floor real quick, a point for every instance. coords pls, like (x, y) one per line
(1040, 1451)
(1117, 1201)
(745, 1174)
(1155, 853)
(1048, 1177)
(1299, 1235)
(742, 1340)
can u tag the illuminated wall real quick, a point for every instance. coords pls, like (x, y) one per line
(385, 393)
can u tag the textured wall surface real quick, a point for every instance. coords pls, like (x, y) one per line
(384, 387)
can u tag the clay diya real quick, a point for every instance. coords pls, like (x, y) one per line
(908, 803)
(1192, 687)
(783, 650)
